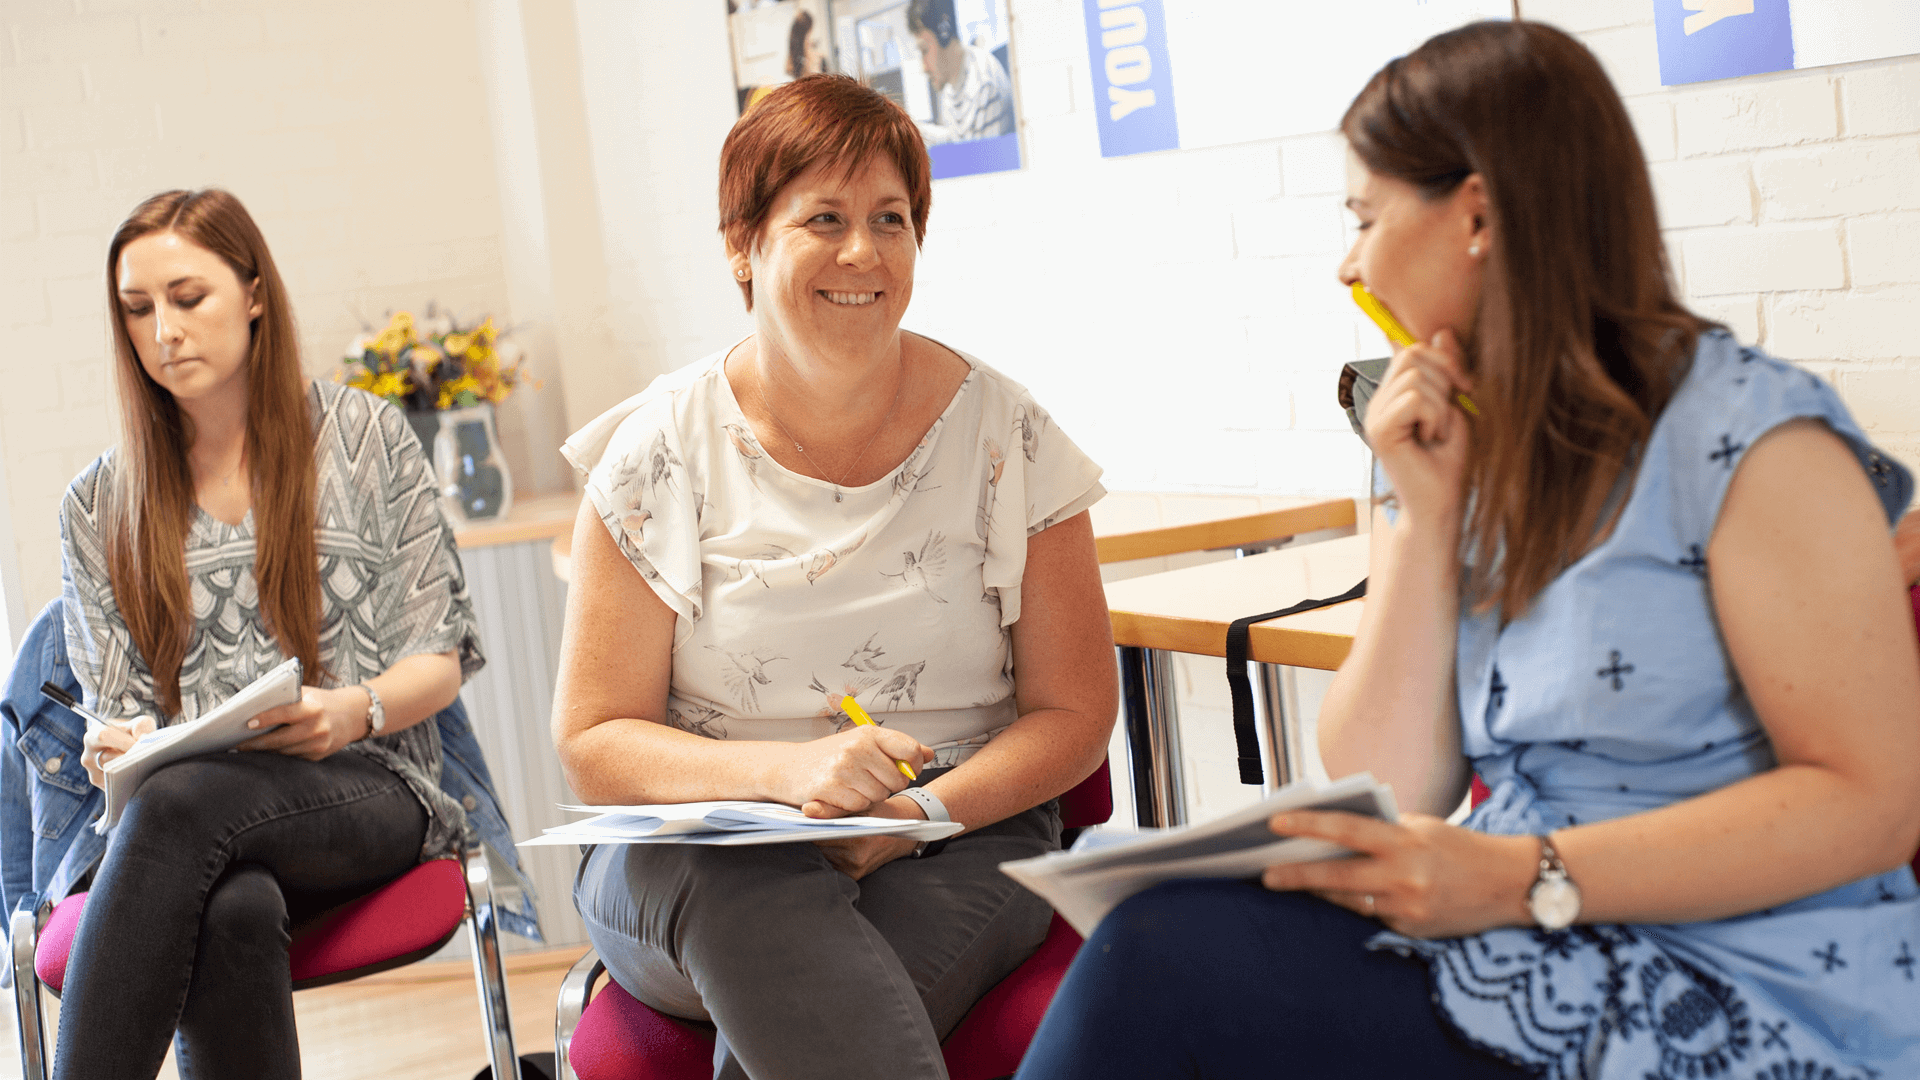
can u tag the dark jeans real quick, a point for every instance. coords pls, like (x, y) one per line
(1225, 979)
(187, 925)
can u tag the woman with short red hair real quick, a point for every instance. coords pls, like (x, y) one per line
(831, 507)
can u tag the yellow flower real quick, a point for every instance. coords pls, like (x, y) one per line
(457, 344)
(361, 380)
(453, 389)
(425, 355)
(486, 332)
(398, 334)
(389, 386)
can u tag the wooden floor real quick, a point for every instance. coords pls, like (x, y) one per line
(416, 1023)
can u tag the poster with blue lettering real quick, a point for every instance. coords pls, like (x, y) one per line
(1720, 39)
(946, 62)
(1252, 71)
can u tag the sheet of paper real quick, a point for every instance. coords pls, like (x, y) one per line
(724, 822)
(1084, 885)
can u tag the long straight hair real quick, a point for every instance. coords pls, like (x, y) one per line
(1579, 341)
(150, 508)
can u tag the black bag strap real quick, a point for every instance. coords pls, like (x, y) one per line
(1238, 632)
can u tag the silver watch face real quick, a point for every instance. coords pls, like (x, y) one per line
(1555, 903)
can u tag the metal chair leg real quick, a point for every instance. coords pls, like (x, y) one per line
(483, 936)
(29, 1022)
(575, 990)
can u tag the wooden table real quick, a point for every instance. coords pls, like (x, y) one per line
(1125, 529)
(1188, 611)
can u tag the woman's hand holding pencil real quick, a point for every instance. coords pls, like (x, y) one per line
(852, 771)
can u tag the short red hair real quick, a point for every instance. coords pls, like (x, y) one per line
(830, 118)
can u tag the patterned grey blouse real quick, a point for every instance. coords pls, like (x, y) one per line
(390, 581)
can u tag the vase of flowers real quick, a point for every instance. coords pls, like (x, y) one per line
(447, 379)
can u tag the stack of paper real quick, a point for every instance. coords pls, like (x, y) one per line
(730, 822)
(1105, 868)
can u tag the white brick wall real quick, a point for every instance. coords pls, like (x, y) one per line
(1789, 203)
(371, 176)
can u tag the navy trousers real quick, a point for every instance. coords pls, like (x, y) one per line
(1226, 979)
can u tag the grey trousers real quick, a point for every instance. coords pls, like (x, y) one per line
(804, 971)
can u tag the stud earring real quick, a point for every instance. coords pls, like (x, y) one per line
(741, 274)
(1473, 249)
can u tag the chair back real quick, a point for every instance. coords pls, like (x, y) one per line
(1089, 802)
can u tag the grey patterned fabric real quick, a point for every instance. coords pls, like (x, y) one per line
(390, 577)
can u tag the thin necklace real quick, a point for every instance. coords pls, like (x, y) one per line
(227, 480)
(886, 420)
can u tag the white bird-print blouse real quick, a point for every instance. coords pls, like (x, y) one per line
(791, 592)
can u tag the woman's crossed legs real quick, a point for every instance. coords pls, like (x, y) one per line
(187, 923)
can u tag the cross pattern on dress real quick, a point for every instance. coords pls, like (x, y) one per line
(1830, 956)
(1497, 693)
(1728, 448)
(1615, 670)
(1905, 961)
(1696, 560)
(1776, 1035)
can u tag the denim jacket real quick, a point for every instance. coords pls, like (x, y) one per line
(46, 800)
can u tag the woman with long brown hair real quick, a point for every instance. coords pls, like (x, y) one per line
(247, 515)
(1645, 591)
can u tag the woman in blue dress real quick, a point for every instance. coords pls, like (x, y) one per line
(1647, 593)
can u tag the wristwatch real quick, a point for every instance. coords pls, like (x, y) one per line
(1554, 899)
(935, 810)
(376, 713)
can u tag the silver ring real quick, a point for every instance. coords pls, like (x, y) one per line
(1369, 904)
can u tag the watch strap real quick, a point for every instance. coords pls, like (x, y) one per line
(376, 713)
(1549, 858)
(930, 803)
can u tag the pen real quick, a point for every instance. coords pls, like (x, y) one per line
(1398, 334)
(63, 698)
(859, 716)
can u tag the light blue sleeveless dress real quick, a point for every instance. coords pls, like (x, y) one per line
(1614, 695)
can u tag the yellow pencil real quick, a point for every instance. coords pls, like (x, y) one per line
(859, 716)
(1398, 334)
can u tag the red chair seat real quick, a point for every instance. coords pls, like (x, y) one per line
(997, 1031)
(408, 918)
(622, 1038)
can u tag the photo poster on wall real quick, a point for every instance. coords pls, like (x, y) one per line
(1721, 39)
(946, 62)
(1183, 74)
